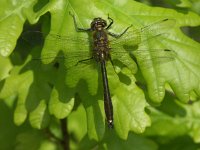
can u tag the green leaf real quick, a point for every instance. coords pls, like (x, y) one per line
(196, 6)
(93, 105)
(8, 130)
(39, 118)
(183, 143)
(13, 86)
(12, 20)
(62, 98)
(75, 119)
(185, 3)
(129, 104)
(5, 66)
(24, 85)
(20, 138)
(173, 119)
(134, 141)
(34, 140)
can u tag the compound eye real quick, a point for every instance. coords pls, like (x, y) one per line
(104, 24)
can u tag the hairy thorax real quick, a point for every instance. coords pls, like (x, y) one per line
(101, 45)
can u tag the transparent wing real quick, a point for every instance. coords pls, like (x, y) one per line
(74, 48)
(137, 36)
(70, 48)
(33, 37)
(154, 57)
(70, 59)
(143, 45)
(146, 58)
(70, 38)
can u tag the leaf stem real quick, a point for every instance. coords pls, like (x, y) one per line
(65, 141)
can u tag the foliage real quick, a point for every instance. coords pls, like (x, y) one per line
(37, 94)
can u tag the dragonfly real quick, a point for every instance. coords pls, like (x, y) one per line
(107, 46)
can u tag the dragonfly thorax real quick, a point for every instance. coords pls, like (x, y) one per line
(101, 45)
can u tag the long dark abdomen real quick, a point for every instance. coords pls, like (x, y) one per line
(107, 99)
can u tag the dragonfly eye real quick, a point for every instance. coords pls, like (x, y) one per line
(98, 23)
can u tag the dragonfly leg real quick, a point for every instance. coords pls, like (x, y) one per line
(78, 29)
(84, 60)
(119, 35)
(111, 22)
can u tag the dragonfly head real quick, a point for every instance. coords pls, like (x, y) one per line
(98, 24)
